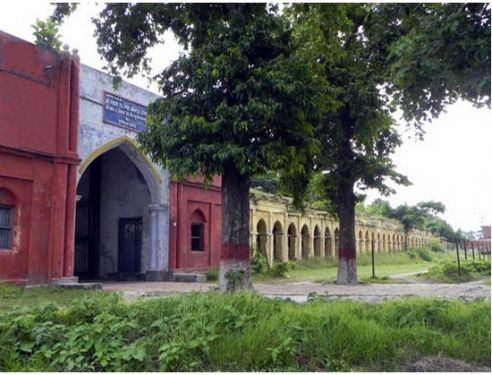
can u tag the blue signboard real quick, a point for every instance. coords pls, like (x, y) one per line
(125, 113)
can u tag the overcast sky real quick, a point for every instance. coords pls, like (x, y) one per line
(451, 165)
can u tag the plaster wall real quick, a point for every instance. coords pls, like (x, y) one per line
(124, 194)
(97, 137)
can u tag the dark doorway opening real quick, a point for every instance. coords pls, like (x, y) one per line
(129, 245)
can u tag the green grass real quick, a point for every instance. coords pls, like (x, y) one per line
(239, 332)
(16, 296)
(386, 264)
(448, 272)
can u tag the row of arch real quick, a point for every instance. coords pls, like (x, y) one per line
(305, 243)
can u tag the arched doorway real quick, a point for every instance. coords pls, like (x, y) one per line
(328, 249)
(305, 248)
(292, 237)
(119, 229)
(317, 241)
(261, 237)
(277, 241)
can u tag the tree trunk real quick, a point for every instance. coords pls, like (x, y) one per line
(347, 270)
(234, 271)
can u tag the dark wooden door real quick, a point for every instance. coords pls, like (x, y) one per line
(129, 245)
(85, 263)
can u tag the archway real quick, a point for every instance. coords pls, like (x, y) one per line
(373, 243)
(305, 248)
(328, 249)
(367, 242)
(337, 241)
(317, 241)
(360, 243)
(261, 237)
(292, 237)
(119, 216)
(384, 242)
(277, 241)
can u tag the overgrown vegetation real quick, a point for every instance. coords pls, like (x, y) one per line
(323, 269)
(239, 332)
(469, 270)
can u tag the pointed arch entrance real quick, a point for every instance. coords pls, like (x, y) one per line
(292, 238)
(121, 224)
(277, 241)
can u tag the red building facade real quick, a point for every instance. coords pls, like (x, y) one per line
(195, 224)
(38, 161)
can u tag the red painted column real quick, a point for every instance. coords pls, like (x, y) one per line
(59, 181)
(72, 169)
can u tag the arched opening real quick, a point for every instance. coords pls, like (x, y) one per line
(393, 242)
(337, 240)
(384, 242)
(317, 241)
(277, 241)
(113, 220)
(378, 245)
(360, 243)
(197, 230)
(367, 243)
(292, 237)
(305, 248)
(373, 242)
(261, 237)
(328, 249)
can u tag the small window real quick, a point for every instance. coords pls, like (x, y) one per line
(196, 237)
(6, 227)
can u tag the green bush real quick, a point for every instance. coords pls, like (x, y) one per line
(212, 274)
(240, 332)
(279, 269)
(258, 263)
(470, 270)
(435, 246)
(425, 254)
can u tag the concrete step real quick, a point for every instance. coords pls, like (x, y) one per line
(189, 277)
(122, 276)
(89, 286)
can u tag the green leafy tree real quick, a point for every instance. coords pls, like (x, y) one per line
(364, 51)
(414, 217)
(237, 104)
(358, 136)
(47, 35)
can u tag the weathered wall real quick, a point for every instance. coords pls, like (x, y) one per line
(97, 137)
(123, 195)
(38, 158)
(316, 232)
(187, 198)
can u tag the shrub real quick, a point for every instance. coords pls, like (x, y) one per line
(424, 254)
(258, 263)
(435, 246)
(448, 271)
(239, 332)
(212, 274)
(279, 269)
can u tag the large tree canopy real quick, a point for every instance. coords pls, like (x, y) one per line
(237, 103)
(376, 58)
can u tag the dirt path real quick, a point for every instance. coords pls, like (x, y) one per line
(299, 291)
